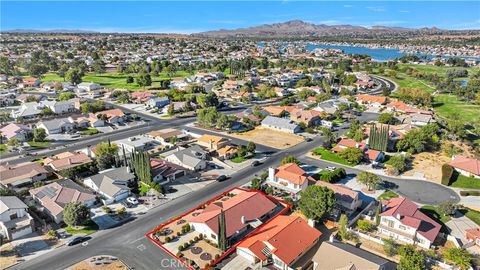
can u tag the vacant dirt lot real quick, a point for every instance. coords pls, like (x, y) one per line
(9, 256)
(272, 138)
(430, 164)
(99, 263)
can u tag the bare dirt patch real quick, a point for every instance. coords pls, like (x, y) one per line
(9, 256)
(99, 262)
(429, 164)
(272, 138)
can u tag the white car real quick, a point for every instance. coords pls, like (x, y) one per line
(132, 200)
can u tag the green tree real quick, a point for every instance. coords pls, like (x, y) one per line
(365, 225)
(316, 201)
(447, 208)
(459, 257)
(387, 118)
(39, 135)
(343, 228)
(74, 76)
(141, 166)
(411, 258)
(351, 154)
(372, 181)
(47, 111)
(290, 159)
(13, 142)
(144, 79)
(251, 147)
(222, 231)
(106, 153)
(222, 122)
(397, 164)
(76, 214)
(390, 247)
(65, 96)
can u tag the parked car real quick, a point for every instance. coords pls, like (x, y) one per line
(77, 240)
(132, 200)
(256, 163)
(308, 139)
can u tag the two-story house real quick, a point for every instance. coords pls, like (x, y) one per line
(15, 221)
(402, 220)
(347, 200)
(288, 177)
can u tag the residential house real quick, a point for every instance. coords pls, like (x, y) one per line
(374, 156)
(91, 120)
(18, 131)
(29, 110)
(227, 152)
(344, 143)
(29, 82)
(473, 235)
(288, 177)
(177, 107)
(402, 220)
(59, 107)
(347, 199)
(157, 102)
(164, 171)
(281, 92)
(284, 241)
(21, 174)
(15, 221)
(55, 196)
(192, 158)
(331, 106)
(400, 106)
(212, 142)
(280, 124)
(334, 255)
(67, 160)
(56, 126)
(114, 116)
(88, 86)
(141, 96)
(466, 166)
(112, 183)
(166, 136)
(137, 143)
(309, 117)
(243, 211)
(371, 101)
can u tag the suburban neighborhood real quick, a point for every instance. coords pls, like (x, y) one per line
(288, 145)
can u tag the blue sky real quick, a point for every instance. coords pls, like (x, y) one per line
(197, 16)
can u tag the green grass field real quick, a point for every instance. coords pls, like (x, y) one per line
(434, 213)
(90, 228)
(330, 156)
(90, 131)
(387, 195)
(238, 159)
(461, 181)
(439, 70)
(444, 105)
(38, 144)
(472, 214)
(117, 80)
(3, 148)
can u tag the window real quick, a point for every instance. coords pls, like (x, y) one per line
(402, 227)
(13, 216)
(390, 223)
(213, 236)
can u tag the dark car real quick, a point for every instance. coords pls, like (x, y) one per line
(256, 163)
(221, 178)
(77, 240)
(308, 139)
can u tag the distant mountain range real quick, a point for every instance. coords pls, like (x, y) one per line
(301, 28)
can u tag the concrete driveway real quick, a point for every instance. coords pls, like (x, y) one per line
(458, 224)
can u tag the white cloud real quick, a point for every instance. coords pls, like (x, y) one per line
(377, 9)
(347, 6)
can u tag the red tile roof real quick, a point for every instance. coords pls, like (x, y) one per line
(372, 154)
(290, 237)
(411, 216)
(293, 173)
(471, 165)
(372, 99)
(249, 204)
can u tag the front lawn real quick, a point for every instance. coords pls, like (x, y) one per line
(3, 148)
(462, 181)
(435, 214)
(144, 188)
(330, 156)
(238, 159)
(471, 214)
(90, 228)
(387, 195)
(38, 144)
(90, 131)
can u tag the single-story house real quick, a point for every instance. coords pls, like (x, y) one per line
(67, 160)
(164, 171)
(18, 131)
(112, 184)
(469, 167)
(56, 126)
(21, 174)
(192, 158)
(280, 124)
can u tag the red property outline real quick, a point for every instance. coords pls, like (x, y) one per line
(231, 249)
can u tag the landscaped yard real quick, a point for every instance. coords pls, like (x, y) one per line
(88, 229)
(3, 148)
(117, 80)
(471, 214)
(89, 131)
(434, 213)
(330, 156)
(462, 181)
(38, 144)
(269, 137)
(144, 188)
(238, 159)
(387, 195)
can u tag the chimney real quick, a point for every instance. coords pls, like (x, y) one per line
(311, 223)
(243, 220)
(399, 216)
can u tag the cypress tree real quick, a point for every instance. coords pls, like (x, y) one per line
(222, 232)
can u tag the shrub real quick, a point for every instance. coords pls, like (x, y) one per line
(364, 225)
(195, 238)
(179, 254)
(460, 257)
(217, 256)
(51, 233)
(180, 248)
(447, 172)
(390, 247)
(191, 241)
(469, 193)
(168, 239)
(179, 233)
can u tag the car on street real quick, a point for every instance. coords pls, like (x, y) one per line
(77, 240)
(221, 178)
(132, 200)
(256, 163)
